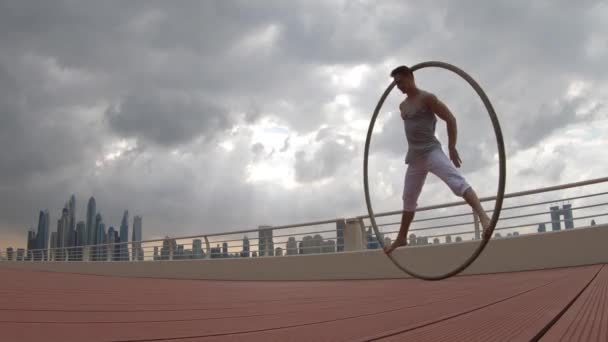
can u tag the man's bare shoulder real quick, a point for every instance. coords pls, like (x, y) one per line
(428, 97)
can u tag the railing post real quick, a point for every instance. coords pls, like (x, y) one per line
(207, 247)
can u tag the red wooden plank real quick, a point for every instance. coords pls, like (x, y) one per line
(587, 318)
(518, 319)
(94, 308)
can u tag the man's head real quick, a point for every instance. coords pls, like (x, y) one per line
(404, 79)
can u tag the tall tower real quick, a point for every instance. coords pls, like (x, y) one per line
(81, 239)
(90, 223)
(138, 253)
(42, 237)
(95, 237)
(65, 225)
(124, 237)
(110, 241)
(72, 221)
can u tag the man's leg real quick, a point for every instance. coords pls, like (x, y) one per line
(471, 197)
(443, 168)
(414, 180)
(406, 220)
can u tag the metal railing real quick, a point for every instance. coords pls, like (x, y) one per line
(436, 224)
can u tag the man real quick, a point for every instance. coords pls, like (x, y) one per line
(425, 154)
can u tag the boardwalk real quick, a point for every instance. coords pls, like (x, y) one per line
(570, 304)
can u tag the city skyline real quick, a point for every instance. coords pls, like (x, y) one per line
(70, 232)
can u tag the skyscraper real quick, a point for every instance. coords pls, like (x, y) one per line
(138, 253)
(80, 240)
(31, 243)
(124, 237)
(555, 221)
(59, 252)
(42, 237)
(110, 241)
(90, 223)
(81, 230)
(72, 221)
(53, 255)
(95, 237)
(65, 225)
(101, 241)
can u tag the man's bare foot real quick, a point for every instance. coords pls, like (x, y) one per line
(485, 223)
(394, 245)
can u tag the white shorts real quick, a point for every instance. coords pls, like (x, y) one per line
(441, 166)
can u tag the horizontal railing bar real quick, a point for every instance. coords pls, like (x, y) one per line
(488, 211)
(510, 195)
(508, 227)
(502, 218)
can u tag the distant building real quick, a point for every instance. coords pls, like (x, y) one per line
(542, 228)
(372, 240)
(246, 247)
(557, 213)
(413, 239)
(137, 251)
(124, 236)
(292, 246)
(197, 249)
(225, 249)
(265, 241)
(340, 226)
(328, 246)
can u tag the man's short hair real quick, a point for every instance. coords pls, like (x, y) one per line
(402, 70)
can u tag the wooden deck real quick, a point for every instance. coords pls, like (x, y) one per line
(569, 304)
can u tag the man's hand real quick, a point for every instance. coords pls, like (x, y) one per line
(454, 157)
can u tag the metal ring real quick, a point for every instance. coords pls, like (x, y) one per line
(501, 179)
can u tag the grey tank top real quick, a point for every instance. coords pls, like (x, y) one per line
(419, 123)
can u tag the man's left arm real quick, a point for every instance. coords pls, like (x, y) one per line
(442, 111)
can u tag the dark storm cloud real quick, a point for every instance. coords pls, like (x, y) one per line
(336, 150)
(167, 119)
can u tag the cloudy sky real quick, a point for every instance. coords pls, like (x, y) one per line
(209, 116)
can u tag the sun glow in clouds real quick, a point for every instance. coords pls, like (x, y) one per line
(347, 77)
(116, 150)
(275, 160)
